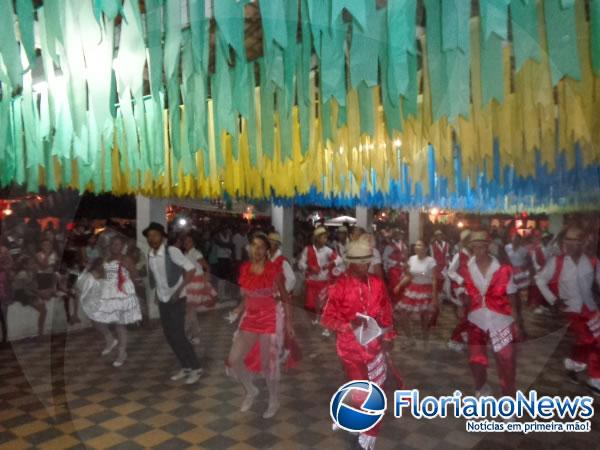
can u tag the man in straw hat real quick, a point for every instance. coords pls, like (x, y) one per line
(491, 314)
(358, 301)
(320, 265)
(458, 339)
(567, 281)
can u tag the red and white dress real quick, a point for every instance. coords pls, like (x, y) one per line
(199, 292)
(320, 266)
(394, 264)
(265, 314)
(348, 296)
(490, 320)
(519, 259)
(418, 295)
(572, 282)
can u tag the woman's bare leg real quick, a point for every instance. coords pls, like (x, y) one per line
(242, 343)
(271, 374)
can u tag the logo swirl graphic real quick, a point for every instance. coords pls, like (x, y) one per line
(358, 418)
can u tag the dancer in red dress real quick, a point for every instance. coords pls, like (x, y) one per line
(321, 265)
(395, 255)
(491, 290)
(266, 320)
(457, 295)
(357, 292)
(567, 280)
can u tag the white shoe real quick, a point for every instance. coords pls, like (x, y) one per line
(249, 399)
(195, 341)
(326, 333)
(120, 360)
(594, 385)
(183, 373)
(109, 347)
(366, 442)
(456, 346)
(484, 391)
(193, 376)
(271, 410)
(574, 365)
(315, 321)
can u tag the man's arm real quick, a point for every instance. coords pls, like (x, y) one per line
(543, 278)
(189, 269)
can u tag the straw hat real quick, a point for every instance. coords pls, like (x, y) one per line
(359, 252)
(274, 237)
(319, 231)
(342, 229)
(465, 234)
(479, 236)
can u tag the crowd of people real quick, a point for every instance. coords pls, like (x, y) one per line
(370, 289)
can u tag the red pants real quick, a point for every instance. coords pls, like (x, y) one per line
(315, 295)
(462, 329)
(358, 371)
(478, 360)
(586, 348)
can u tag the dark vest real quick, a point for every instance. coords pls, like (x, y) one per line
(174, 272)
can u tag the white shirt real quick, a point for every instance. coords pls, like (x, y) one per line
(421, 270)
(156, 263)
(518, 257)
(455, 266)
(340, 249)
(223, 252)
(376, 260)
(323, 255)
(239, 241)
(288, 272)
(485, 318)
(388, 251)
(574, 285)
(193, 255)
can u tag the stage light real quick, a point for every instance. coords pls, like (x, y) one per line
(460, 225)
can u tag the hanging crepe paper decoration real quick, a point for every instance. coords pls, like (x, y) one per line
(349, 103)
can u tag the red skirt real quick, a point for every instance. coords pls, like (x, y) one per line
(316, 294)
(416, 298)
(394, 276)
(259, 315)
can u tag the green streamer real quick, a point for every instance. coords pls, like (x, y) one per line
(267, 91)
(199, 27)
(333, 63)
(561, 32)
(9, 48)
(494, 18)
(155, 51)
(492, 69)
(110, 8)
(401, 20)
(273, 14)
(360, 10)
(595, 34)
(526, 39)
(440, 101)
(365, 44)
(25, 14)
(229, 15)
(172, 37)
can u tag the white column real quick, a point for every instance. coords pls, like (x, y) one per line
(364, 218)
(415, 225)
(556, 223)
(282, 218)
(149, 210)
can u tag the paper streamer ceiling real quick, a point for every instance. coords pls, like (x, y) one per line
(351, 102)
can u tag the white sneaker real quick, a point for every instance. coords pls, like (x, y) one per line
(456, 346)
(574, 365)
(193, 376)
(120, 360)
(366, 442)
(271, 410)
(249, 399)
(326, 333)
(109, 347)
(183, 373)
(315, 322)
(484, 391)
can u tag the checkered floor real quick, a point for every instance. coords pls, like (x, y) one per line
(58, 393)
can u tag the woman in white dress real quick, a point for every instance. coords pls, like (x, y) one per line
(420, 293)
(111, 299)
